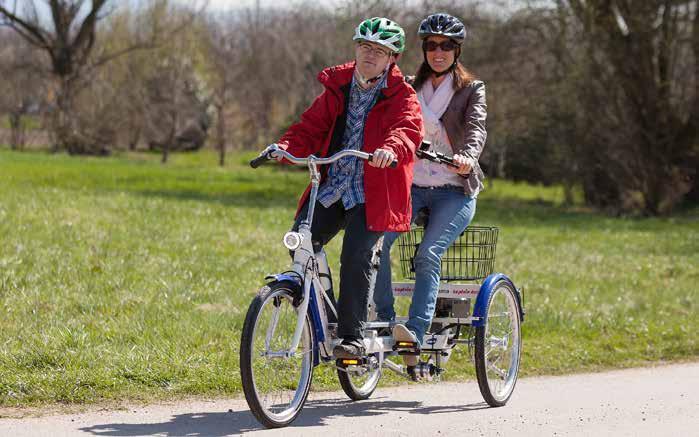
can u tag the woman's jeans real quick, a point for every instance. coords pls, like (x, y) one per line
(451, 211)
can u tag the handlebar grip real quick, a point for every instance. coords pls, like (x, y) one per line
(259, 161)
(393, 164)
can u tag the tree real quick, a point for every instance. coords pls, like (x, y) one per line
(22, 90)
(69, 41)
(222, 50)
(642, 102)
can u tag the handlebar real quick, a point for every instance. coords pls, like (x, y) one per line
(424, 152)
(267, 155)
(259, 160)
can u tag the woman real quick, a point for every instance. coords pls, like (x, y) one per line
(454, 112)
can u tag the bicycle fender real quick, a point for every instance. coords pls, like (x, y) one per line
(279, 277)
(296, 283)
(484, 293)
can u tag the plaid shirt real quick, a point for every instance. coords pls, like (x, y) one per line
(346, 176)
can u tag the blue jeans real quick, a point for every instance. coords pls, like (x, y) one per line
(451, 211)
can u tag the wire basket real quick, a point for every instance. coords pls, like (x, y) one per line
(470, 257)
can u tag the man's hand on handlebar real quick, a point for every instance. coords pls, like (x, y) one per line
(275, 155)
(464, 164)
(382, 158)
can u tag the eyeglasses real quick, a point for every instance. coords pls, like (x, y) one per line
(446, 46)
(368, 48)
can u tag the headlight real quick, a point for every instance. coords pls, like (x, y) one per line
(292, 240)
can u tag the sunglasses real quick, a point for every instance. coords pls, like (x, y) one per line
(446, 46)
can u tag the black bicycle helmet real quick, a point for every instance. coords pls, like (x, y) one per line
(444, 25)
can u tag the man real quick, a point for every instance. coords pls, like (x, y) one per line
(366, 105)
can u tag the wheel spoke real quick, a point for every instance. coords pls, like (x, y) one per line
(490, 350)
(501, 373)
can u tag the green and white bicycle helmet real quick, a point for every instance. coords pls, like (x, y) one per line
(381, 31)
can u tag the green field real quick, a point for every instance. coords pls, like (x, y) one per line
(121, 278)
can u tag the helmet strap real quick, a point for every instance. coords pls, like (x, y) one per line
(369, 81)
(442, 73)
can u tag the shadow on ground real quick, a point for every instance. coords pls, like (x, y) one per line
(315, 413)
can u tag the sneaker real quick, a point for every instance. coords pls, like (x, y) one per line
(402, 333)
(349, 348)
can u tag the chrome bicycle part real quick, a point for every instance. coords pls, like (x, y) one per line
(498, 346)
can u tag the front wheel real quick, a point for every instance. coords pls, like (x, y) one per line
(498, 346)
(275, 382)
(359, 382)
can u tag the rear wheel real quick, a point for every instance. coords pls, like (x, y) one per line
(498, 346)
(275, 383)
(359, 382)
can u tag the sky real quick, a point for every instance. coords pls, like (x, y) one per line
(234, 4)
(228, 4)
(213, 5)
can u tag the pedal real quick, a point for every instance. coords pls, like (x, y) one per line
(345, 362)
(406, 348)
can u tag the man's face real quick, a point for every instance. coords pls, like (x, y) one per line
(372, 58)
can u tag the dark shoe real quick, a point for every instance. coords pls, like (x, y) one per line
(410, 370)
(384, 332)
(423, 375)
(349, 348)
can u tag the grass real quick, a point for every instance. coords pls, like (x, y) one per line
(30, 122)
(121, 278)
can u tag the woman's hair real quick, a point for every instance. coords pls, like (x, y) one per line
(462, 77)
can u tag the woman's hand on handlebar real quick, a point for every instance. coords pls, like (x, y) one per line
(382, 158)
(464, 164)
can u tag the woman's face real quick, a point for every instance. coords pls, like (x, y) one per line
(439, 59)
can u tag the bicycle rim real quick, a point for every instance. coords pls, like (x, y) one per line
(501, 345)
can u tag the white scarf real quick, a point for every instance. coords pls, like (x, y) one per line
(433, 104)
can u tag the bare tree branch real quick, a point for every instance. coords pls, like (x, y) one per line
(86, 35)
(32, 32)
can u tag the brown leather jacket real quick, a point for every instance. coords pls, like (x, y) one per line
(464, 121)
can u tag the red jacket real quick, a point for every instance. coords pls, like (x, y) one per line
(395, 123)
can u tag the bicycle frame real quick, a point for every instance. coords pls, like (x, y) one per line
(306, 263)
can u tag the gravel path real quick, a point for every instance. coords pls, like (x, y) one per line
(656, 401)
